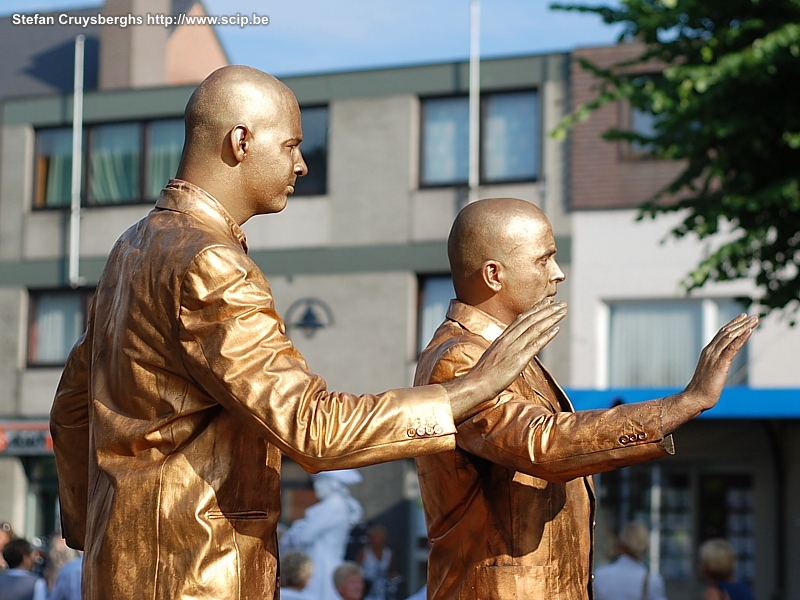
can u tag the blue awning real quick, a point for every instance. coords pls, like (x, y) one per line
(738, 402)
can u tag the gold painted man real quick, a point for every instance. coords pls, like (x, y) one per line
(174, 407)
(510, 511)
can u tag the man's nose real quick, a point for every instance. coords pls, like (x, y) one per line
(300, 166)
(558, 275)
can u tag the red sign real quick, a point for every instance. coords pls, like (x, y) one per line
(25, 438)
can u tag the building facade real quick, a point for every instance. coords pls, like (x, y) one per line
(635, 334)
(356, 261)
(358, 267)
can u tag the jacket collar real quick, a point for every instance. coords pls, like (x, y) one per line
(198, 203)
(475, 320)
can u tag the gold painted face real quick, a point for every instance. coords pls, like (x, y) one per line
(530, 271)
(275, 159)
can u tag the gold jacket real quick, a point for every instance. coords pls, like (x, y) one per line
(510, 511)
(174, 408)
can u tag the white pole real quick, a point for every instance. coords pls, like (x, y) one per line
(77, 153)
(655, 519)
(474, 98)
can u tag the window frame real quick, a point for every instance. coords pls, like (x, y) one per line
(421, 344)
(709, 309)
(298, 192)
(144, 136)
(483, 180)
(34, 294)
(628, 150)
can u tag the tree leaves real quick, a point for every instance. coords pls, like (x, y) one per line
(727, 103)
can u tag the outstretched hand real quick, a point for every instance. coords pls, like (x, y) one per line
(709, 378)
(505, 359)
(716, 358)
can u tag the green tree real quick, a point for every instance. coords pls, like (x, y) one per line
(726, 102)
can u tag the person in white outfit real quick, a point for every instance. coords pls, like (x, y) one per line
(322, 533)
(627, 578)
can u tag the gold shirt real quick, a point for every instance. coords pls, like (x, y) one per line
(510, 511)
(173, 409)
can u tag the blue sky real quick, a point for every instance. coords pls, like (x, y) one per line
(312, 36)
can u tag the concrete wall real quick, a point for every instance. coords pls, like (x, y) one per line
(370, 345)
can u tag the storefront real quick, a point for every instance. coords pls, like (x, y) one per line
(29, 444)
(727, 479)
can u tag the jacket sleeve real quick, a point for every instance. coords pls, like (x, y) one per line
(69, 426)
(527, 435)
(235, 348)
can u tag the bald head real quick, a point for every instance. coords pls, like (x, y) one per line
(243, 135)
(489, 229)
(501, 253)
(230, 96)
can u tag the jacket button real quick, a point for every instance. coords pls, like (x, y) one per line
(411, 432)
(623, 439)
(420, 430)
(438, 430)
(642, 436)
(429, 430)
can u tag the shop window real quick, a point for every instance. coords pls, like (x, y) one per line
(509, 139)
(435, 293)
(57, 320)
(683, 507)
(657, 343)
(315, 152)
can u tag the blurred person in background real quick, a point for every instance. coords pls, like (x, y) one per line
(18, 582)
(348, 578)
(58, 555)
(296, 570)
(627, 578)
(6, 535)
(377, 562)
(68, 581)
(717, 566)
(323, 532)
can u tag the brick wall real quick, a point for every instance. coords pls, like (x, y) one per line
(609, 174)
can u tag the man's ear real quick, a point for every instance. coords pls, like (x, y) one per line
(239, 140)
(492, 273)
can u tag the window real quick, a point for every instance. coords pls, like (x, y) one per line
(509, 139)
(114, 167)
(164, 147)
(315, 152)
(445, 141)
(435, 293)
(123, 162)
(642, 123)
(57, 320)
(53, 167)
(657, 344)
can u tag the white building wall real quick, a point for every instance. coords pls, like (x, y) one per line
(615, 257)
